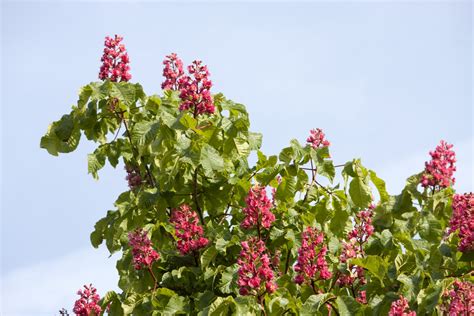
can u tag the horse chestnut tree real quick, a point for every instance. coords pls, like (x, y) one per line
(201, 231)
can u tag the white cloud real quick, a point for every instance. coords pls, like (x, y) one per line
(44, 288)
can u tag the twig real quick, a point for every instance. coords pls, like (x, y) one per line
(195, 197)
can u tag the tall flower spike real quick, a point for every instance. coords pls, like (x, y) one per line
(257, 212)
(255, 274)
(115, 61)
(401, 308)
(353, 248)
(189, 232)
(311, 264)
(143, 253)
(316, 139)
(87, 304)
(195, 90)
(172, 72)
(440, 169)
(462, 220)
(459, 299)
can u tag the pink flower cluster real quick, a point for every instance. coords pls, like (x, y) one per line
(459, 300)
(462, 220)
(189, 232)
(439, 171)
(133, 177)
(401, 308)
(115, 61)
(172, 72)
(359, 235)
(316, 139)
(312, 257)
(255, 273)
(194, 89)
(257, 212)
(143, 253)
(87, 304)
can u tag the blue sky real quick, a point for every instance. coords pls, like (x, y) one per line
(385, 80)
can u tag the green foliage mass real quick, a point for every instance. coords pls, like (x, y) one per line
(203, 161)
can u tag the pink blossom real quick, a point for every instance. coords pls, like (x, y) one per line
(316, 139)
(362, 297)
(194, 89)
(189, 232)
(143, 253)
(115, 61)
(172, 72)
(440, 169)
(133, 177)
(87, 304)
(312, 257)
(462, 220)
(353, 248)
(401, 308)
(257, 212)
(255, 273)
(459, 299)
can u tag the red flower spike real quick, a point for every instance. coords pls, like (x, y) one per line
(189, 232)
(255, 272)
(440, 170)
(143, 253)
(311, 264)
(115, 61)
(87, 304)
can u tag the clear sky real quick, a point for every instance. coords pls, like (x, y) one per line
(385, 80)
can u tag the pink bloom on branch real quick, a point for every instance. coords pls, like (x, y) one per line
(353, 248)
(143, 253)
(459, 299)
(87, 304)
(189, 232)
(255, 273)
(133, 177)
(257, 212)
(462, 220)
(172, 72)
(440, 169)
(311, 264)
(401, 308)
(194, 89)
(316, 139)
(115, 61)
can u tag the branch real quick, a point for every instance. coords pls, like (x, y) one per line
(195, 197)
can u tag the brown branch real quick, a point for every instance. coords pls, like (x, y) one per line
(154, 278)
(195, 197)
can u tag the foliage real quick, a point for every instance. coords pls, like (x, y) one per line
(183, 158)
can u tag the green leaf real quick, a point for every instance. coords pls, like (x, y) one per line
(95, 162)
(228, 278)
(210, 158)
(380, 185)
(123, 91)
(208, 255)
(62, 136)
(314, 303)
(375, 264)
(242, 146)
(347, 305)
(360, 192)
